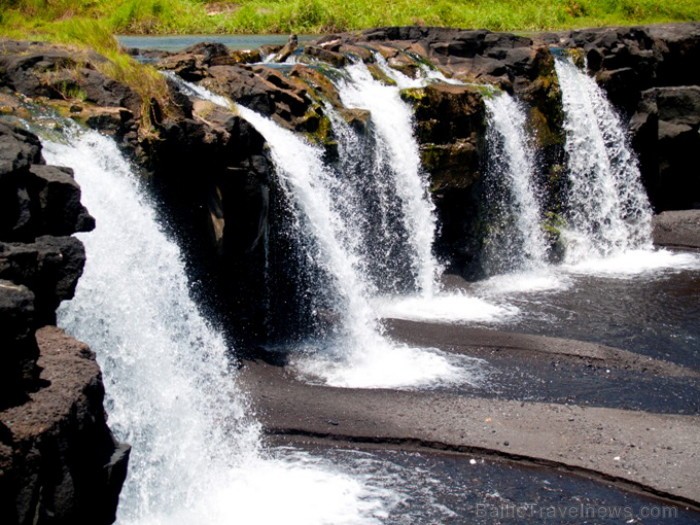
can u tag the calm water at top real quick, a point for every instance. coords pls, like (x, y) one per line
(179, 42)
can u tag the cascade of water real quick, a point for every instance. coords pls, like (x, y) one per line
(366, 196)
(171, 393)
(397, 148)
(359, 355)
(608, 209)
(515, 241)
(335, 242)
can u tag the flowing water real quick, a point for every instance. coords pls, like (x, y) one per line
(398, 155)
(608, 209)
(515, 241)
(357, 354)
(607, 236)
(171, 392)
(326, 210)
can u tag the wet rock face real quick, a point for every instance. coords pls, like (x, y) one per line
(59, 463)
(677, 229)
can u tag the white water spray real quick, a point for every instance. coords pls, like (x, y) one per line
(196, 455)
(360, 356)
(393, 122)
(609, 212)
(517, 242)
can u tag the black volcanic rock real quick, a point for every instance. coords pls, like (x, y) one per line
(59, 463)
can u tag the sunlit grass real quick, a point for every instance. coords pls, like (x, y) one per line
(86, 34)
(319, 16)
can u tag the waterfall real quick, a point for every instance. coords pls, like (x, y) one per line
(608, 209)
(327, 210)
(358, 354)
(396, 146)
(334, 243)
(515, 241)
(171, 392)
(366, 196)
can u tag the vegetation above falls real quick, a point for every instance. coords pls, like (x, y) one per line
(24, 17)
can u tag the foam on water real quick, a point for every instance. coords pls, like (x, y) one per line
(636, 264)
(446, 308)
(389, 365)
(544, 280)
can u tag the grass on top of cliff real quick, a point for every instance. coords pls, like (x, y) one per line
(320, 16)
(93, 35)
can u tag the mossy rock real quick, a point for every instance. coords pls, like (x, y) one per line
(543, 96)
(317, 84)
(446, 112)
(552, 226)
(578, 55)
(413, 95)
(363, 53)
(318, 128)
(245, 56)
(357, 118)
(451, 166)
(379, 75)
(542, 130)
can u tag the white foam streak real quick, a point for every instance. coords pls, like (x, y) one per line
(514, 197)
(393, 122)
(635, 263)
(609, 211)
(446, 308)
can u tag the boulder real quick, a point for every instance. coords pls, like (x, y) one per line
(49, 267)
(16, 313)
(18, 149)
(677, 229)
(59, 463)
(59, 210)
(266, 91)
(35, 199)
(18, 352)
(37, 70)
(666, 132)
(446, 112)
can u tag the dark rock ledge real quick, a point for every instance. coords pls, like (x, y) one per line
(645, 452)
(59, 463)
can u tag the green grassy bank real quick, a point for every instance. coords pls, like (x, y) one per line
(320, 16)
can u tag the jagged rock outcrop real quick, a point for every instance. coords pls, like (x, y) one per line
(72, 81)
(58, 460)
(59, 463)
